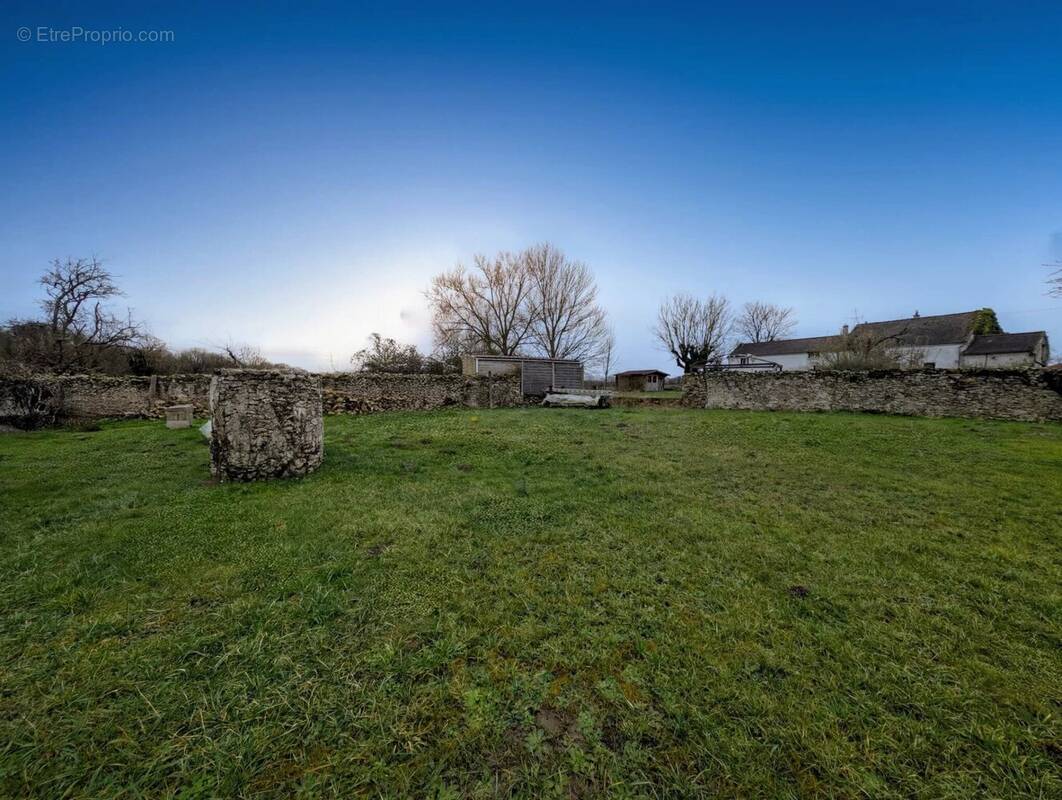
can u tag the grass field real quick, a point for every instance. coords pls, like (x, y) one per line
(634, 602)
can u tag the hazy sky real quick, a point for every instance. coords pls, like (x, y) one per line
(293, 174)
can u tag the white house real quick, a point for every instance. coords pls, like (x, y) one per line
(944, 341)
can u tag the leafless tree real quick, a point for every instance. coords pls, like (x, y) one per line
(535, 301)
(198, 360)
(384, 354)
(246, 356)
(862, 351)
(764, 322)
(566, 320)
(608, 347)
(694, 331)
(1054, 280)
(79, 327)
(486, 305)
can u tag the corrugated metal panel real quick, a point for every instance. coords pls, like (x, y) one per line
(568, 376)
(537, 377)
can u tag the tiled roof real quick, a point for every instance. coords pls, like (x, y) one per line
(1004, 343)
(784, 347)
(921, 331)
(910, 332)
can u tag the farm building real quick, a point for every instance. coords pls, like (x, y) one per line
(640, 380)
(537, 375)
(944, 341)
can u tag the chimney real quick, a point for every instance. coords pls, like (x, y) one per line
(844, 329)
(916, 314)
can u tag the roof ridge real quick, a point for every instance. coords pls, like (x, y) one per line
(1012, 333)
(921, 316)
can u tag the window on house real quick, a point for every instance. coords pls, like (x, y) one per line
(744, 361)
(929, 364)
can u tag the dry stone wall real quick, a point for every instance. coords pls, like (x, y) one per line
(1027, 395)
(43, 399)
(360, 393)
(265, 424)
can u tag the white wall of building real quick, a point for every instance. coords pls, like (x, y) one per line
(942, 356)
(793, 361)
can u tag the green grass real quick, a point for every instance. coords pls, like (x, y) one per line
(634, 602)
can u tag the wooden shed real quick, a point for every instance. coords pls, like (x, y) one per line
(537, 375)
(640, 380)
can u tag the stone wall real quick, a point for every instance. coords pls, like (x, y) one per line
(265, 424)
(360, 393)
(41, 399)
(1027, 395)
(31, 402)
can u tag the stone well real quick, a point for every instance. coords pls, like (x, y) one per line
(265, 424)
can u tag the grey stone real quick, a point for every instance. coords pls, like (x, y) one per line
(265, 424)
(179, 416)
(581, 400)
(1020, 394)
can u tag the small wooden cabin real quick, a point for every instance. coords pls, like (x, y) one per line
(640, 380)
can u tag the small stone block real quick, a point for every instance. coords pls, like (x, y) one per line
(179, 416)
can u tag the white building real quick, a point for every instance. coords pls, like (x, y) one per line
(944, 341)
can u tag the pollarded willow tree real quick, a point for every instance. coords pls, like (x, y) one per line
(536, 302)
(694, 331)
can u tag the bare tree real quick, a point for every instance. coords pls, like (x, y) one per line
(384, 354)
(608, 346)
(246, 356)
(566, 320)
(694, 331)
(198, 360)
(860, 350)
(486, 305)
(1054, 280)
(764, 322)
(79, 327)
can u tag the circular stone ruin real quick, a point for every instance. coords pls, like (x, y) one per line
(265, 424)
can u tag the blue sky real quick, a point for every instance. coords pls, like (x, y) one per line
(292, 174)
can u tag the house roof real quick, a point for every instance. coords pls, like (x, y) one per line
(921, 331)
(634, 372)
(785, 347)
(1004, 343)
(911, 332)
